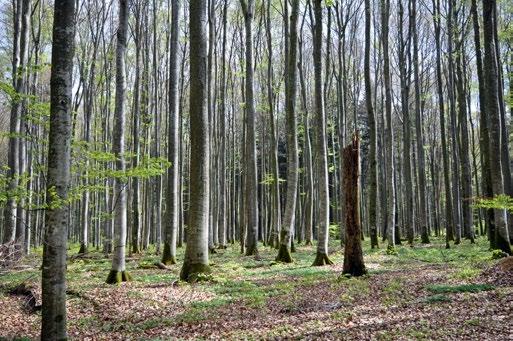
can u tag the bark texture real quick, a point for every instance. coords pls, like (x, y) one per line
(196, 252)
(53, 322)
(118, 148)
(353, 254)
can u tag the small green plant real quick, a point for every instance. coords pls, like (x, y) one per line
(391, 251)
(466, 273)
(498, 254)
(438, 298)
(473, 322)
(355, 288)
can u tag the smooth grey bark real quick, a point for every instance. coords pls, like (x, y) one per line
(405, 110)
(505, 157)
(89, 89)
(118, 272)
(196, 252)
(58, 180)
(211, 78)
(12, 213)
(320, 143)
(421, 159)
(223, 188)
(251, 190)
(23, 89)
(484, 144)
(276, 210)
(173, 144)
(389, 132)
(156, 147)
(309, 168)
(136, 132)
(289, 218)
(441, 107)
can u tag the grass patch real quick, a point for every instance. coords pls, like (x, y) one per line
(201, 311)
(450, 289)
(438, 298)
(356, 287)
(473, 322)
(393, 292)
(466, 273)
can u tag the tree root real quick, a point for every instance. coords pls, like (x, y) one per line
(116, 277)
(284, 255)
(322, 259)
(193, 272)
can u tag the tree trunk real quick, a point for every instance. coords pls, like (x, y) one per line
(53, 321)
(173, 172)
(389, 132)
(466, 176)
(405, 90)
(292, 149)
(353, 255)
(196, 252)
(493, 119)
(424, 233)
(251, 190)
(320, 145)
(445, 154)
(118, 272)
(276, 227)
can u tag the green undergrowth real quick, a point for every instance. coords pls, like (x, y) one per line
(450, 289)
(254, 283)
(438, 298)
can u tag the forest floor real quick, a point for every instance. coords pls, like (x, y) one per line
(424, 292)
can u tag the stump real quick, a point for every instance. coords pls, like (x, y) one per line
(353, 255)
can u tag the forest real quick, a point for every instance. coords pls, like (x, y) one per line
(256, 169)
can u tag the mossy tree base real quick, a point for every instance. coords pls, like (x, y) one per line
(355, 271)
(83, 249)
(193, 272)
(374, 239)
(251, 251)
(322, 259)
(502, 244)
(168, 260)
(116, 277)
(167, 257)
(284, 255)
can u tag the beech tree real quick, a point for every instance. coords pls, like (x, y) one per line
(250, 199)
(220, 126)
(292, 153)
(493, 120)
(173, 174)
(196, 252)
(53, 318)
(321, 157)
(118, 271)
